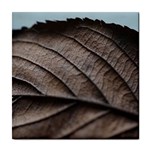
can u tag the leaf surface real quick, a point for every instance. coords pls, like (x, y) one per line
(77, 79)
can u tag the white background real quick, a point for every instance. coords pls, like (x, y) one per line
(9, 6)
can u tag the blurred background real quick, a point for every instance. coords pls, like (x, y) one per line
(27, 19)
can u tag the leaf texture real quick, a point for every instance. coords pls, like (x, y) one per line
(76, 79)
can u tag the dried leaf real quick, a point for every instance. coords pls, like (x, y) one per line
(87, 72)
(50, 117)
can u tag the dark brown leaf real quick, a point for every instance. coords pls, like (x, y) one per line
(49, 117)
(89, 71)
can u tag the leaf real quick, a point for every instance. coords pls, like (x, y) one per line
(20, 87)
(57, 118)
(77, 79)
